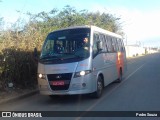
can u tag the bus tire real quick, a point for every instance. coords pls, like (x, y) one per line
(120, 76)
(98, 92)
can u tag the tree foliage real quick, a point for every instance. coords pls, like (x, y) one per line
(69, 16)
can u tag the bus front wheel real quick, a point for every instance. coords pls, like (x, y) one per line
(98, 92)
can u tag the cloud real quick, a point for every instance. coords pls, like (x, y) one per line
(138, 25)
(143, 27)
(144, 24)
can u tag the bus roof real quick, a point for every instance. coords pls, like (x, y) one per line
(94, 28)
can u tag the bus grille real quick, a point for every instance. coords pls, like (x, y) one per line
(66, 77)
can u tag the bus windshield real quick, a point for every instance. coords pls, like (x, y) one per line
(66, 44)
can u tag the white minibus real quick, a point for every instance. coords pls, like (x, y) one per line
(80, 60)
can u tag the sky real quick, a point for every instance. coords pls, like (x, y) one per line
(140, 18)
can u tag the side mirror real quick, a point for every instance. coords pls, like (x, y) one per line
(35, 54)
(99, 46)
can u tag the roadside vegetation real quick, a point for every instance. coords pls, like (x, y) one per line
(18, 69)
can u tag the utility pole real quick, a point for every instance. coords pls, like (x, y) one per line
(126, 40)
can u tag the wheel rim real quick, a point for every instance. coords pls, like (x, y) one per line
(99, 87)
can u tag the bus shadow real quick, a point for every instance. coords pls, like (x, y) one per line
(74, 99)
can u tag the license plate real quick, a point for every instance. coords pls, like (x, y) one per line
(58, 83)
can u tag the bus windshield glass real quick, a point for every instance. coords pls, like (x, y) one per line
(66, 44)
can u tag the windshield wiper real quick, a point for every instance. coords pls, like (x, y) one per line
(49, 57)
(78, 56)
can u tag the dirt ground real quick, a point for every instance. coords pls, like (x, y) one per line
(9, 94)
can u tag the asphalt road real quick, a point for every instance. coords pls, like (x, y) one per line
(139, 91)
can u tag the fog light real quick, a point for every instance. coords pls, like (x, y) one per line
(41, 76)
(84, 84)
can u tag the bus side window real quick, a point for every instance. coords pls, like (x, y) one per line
(114, 46)
(109, 44)
(122, 48)
(118, 44)
(95, 49)
(106, 43)
(105, 48)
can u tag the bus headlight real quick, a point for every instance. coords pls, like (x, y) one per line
(82, 73)
(41, 76)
